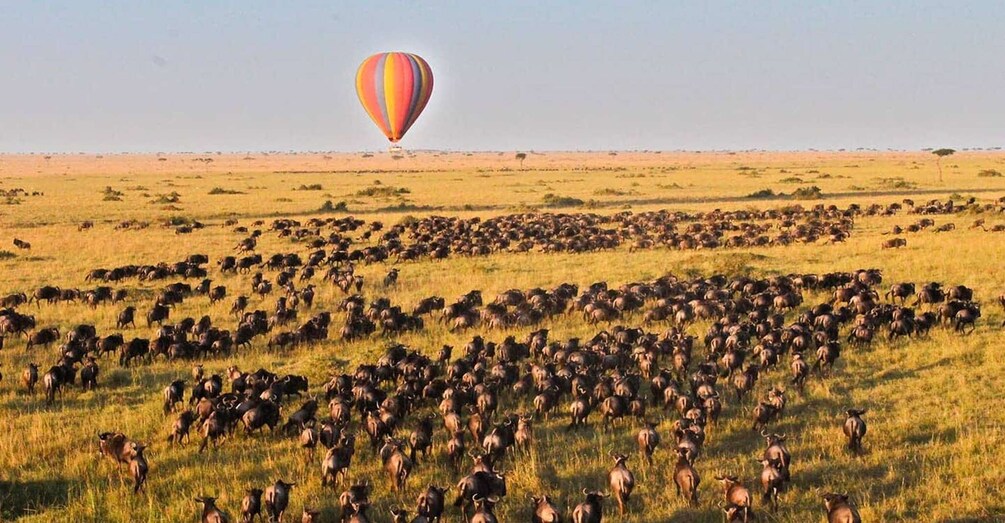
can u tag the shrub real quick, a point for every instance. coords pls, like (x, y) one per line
(763, 193)
(382, 191)
(111, 195)
(792, 179)
(173, 197)
(328, 206)
(6, 255)
(989, 173)
(607, 191)
(553, 200)
(175, 221)
(221, 190)
(311, 187)
(808, 193)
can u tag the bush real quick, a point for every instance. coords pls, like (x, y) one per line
(382, 192)
(553, 200)
(989, 173)
(311, 187)
(221, 190)
(6, 255)
(111, 195)
(328, 206)
(896, 183)
(763, 193)
(792, 179)
(173, 197)
(175, 221)
(607, 191)
(808, 193)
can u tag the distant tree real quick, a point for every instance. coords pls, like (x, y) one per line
(521, 157)
(939, 153)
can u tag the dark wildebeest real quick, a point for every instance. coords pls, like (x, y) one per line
(840, 509)
(855, 429)
(210, 512)
(126, 318)
(591, 510)
(251, 505)
(277, 498)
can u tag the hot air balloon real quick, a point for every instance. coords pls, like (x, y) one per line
(394, 89)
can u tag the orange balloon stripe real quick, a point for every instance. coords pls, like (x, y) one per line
(401, 93)
(391, 79)
(368, 95)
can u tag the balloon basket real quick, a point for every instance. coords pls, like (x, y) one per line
(393, 149)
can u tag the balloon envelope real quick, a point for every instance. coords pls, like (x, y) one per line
(394, 89)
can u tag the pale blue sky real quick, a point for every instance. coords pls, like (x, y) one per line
(204, 75)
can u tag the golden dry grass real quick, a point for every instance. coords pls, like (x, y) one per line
(936, 429)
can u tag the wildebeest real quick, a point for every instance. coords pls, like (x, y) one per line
(210, 512)
(545, 511)
(181, 427)
(251, 505)
(430, 503)
(840, 509)
(895, 243)
(158, 314)
(648, 439)
(773, 480)
(43, 337)
(277, 499)
(591, 510)
(30, 377)
(115, 446)
(737, 497)
(481, 484)
(686, 478)
(396, 463)
(126, 318)
(621, 480)
(138, 467)
(855, 429)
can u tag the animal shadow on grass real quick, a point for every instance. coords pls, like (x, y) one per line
(19, 499)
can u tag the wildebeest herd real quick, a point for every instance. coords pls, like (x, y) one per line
(475, 407)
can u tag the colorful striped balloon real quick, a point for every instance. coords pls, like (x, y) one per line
(394, 89)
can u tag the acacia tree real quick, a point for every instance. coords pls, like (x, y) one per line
(521, 157)
(939, 153)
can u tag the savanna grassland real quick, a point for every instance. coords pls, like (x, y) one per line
(935, 446)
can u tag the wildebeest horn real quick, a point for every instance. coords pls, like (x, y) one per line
(586, 492)
(764, 433)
